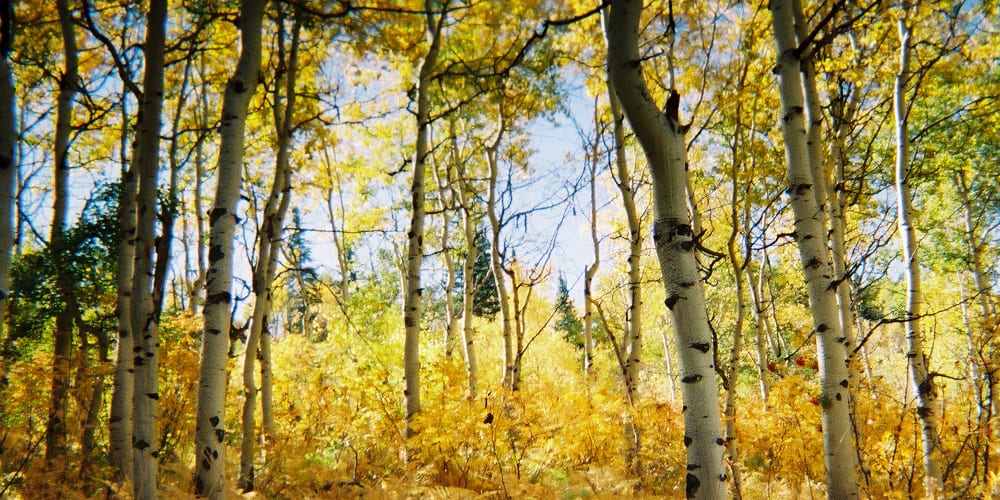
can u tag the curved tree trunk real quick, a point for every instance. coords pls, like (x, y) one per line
(917, 360)
(55, 433)
(209, 431)
(662, 139)
(810, 234)
(145, 320)
(269, 246)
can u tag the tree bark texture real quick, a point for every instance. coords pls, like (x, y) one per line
(8, 184)
(210, 460)
(55, 434)
(917, 360)
(413, 292)
(663, 142)
(269, 247)
(810, 234)
(144, 317)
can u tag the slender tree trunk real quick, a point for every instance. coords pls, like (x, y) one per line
(8, 187)
(145, 320)
(120, 418)
(413, 293)
(761, 327)
(55, 437)
(591, 271)
(469, 289)
(209, 432)
(810, 234)
(918, 362)
(662, 139)
(269, 244)
(448, 259)
(496, 265)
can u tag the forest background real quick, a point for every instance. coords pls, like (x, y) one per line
(517, 249)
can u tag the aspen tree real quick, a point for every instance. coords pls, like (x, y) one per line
(210, 460)
(840, 453)
(144, 317)
(269, 241)
(55, 432)
(662, 138)
(917, 360)
(8, 184)
(413, 292)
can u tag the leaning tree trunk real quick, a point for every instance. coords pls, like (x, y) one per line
(810, 234)
(412, 297)
(917, 360)
(662, 139)
(55, 434)
(209, 431)
(269, 246)
(145, 320)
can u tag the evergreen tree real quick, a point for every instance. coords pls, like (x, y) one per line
(567, 320)
(486, 304)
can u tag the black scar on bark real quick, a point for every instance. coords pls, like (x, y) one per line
(693, 483)
(215, 213)
(410, 322)
(838, 397)
(672, 301)
(220, 435)
(843, 383)
(687, 441)
(926, 387)
(140, 445)
(687, 246)
(693, 466)
(215, 253)
(720, 441)
(801, 189)
(153, 396)
(205, 464)
(701, 346)
(814, 262)
(199, 485)
(690, 379)
(822, 328)
(214, 421)
(683, 230)
(218, 298)
(924, 412)
(687, 284)
(213, 331)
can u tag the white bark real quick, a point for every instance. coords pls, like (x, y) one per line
(413, 292)
(55, 439)
(923, 381)
(145, 321)
(8, 183)
(209, 432)
(269, 246)
(662, 140)
(838, 436)
(496, 265)
(469, 288)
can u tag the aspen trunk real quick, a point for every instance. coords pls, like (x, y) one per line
(269, 245)
(469, 290)
(8, 184)
(496, 266)
(145, 320)
(413, 292)
(810, 234)
(917, 360)
(55, 433)
(662, 139)
(209, 431)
